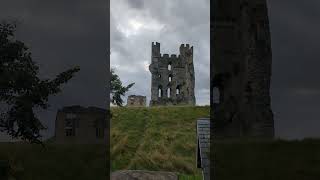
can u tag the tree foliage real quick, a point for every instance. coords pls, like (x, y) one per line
(21, 90)
(117, 89)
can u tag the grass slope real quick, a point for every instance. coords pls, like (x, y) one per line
(164, 139)
(157, 138)
(141, 138)
(267, 160)
(33, 162)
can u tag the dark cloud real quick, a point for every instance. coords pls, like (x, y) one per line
(295, 80)
(169, 22)
(61, 35)
(138, 4)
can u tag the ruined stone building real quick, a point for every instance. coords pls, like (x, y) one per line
(173, 78)
(76, 124)
(241, 64)
(136, 101)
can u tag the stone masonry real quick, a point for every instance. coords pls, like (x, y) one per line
(80, 125)
(241, 69)
(143, 175)
(136, 101)
(203, 146)
(173, 78)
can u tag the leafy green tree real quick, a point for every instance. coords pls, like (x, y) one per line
(21, 90)
(117, 90)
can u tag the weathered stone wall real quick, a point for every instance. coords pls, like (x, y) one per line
(203, 146)
(242, 68)
(173, 78)
(136, 101)
(84, 122)
(143, 175)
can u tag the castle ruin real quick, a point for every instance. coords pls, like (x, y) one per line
(81, 125)
(173, 78)
(136, 101)
(241, 65)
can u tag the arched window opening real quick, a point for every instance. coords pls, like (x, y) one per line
(159, 91)
(170, 78)
(178, 90)
(169, 92)
(169, 67)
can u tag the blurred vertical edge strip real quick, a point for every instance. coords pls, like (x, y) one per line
(108, 161)
(212, 171)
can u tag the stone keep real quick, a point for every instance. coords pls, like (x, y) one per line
(173, 78)
(241, 66)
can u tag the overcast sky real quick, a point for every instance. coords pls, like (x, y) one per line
(135, 24)
(62, 34)
(295, 88)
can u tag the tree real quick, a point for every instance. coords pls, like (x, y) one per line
(21, 90)
(117, 90)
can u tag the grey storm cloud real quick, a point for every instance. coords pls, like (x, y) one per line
(136, 3)
(62, 35)
(295, 86)
(135, 24)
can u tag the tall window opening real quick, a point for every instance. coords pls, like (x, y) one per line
(178, 90)
(169, 67)
(168, 92)
(100, 126)
(99, 132)
(159, 91)
(170, 78)
(69, 127)
(216, 95)
(70, 123)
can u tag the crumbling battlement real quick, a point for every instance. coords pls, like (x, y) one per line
(173, 78)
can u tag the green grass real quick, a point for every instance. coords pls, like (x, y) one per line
(157, 139)
(164, 139)
(33, 162)
(267, 159)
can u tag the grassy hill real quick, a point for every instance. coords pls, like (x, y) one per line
(163, 138)
(157, 138)
(63, 162)
(141, 138)
(267, 159)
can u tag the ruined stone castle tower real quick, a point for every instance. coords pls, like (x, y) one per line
(173, 79)
(241, 62)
